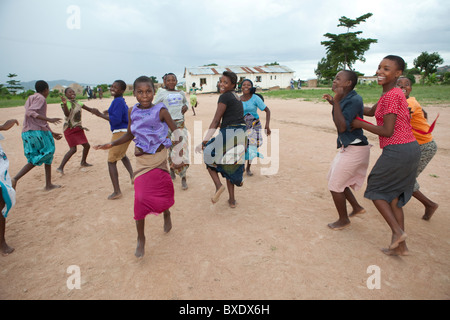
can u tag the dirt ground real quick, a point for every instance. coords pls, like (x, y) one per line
(274, 245)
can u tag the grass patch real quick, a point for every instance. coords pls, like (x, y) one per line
(426, 95)
(18, 101)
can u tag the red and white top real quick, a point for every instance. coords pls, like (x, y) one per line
(394, 101)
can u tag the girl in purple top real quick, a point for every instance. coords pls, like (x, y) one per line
(148, 127)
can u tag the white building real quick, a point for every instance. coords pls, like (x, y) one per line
(263, 77)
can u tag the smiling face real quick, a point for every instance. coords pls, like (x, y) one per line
(246, 86)
(170, 81)
(405, 85)
(225, 84)
(341, 81)
(70, 94)
(388, 72)
(144, 94)
(116, 90)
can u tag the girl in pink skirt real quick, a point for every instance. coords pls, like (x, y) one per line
(148, 127)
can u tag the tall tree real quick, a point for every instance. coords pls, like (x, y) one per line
(428, 63)
(13, 85)
(344, 49)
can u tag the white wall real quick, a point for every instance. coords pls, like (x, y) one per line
(278, 79)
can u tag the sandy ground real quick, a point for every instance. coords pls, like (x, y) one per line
(274, 245)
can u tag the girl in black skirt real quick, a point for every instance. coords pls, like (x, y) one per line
(391, 182)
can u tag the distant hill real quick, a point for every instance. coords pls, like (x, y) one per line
(443, 69)
(30, 84)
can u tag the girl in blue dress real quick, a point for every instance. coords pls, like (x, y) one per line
(252, 102)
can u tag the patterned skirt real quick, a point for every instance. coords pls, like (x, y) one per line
(8, 193)
(427, 152)
(38, 146)
(255, 139)
(179, 154)
(225, 153)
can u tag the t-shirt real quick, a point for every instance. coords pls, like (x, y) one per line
(352, 106)
(35, 106)
(147, 128)
(419, 122)
(74, 118)
(173, 100)
(234, 113)
(118, 114)
(394, 102)
(252, 105)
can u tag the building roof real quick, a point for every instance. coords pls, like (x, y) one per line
(211, 70)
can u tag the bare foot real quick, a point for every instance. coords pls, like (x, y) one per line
(184, 185)
(395, 252)
(140, 248)
(397, 240)
(232, 204)
(339, 225)
(61, 171)
(115, 196)
(216, 196)
(249, 173)
(85, 164)
(357, 212)
(51, 187)
(167, 222)
(5, 249)
(429, 211)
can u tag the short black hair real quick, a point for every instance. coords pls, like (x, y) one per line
(232, 76)
(41, 86)
(143, 79)
(122, 84)
(67, 89)
(352, 76)
(398, 60)
(405, 77)
(169, 74)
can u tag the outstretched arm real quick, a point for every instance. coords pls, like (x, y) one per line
(123, 139)
(8, 124)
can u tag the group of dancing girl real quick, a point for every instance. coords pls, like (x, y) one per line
(407, 144)
(156, 125)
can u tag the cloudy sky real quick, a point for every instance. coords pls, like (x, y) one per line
(101, 41)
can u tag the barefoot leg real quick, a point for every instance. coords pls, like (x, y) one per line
(430, 206)
(48, 178)
(357, 209)
(339, 199)
(167, 221)
(140, 248)
(386, 211)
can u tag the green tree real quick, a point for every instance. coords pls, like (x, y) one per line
(272, 64)
(154, 79)
(344, 49)
(427, 63)
(3, 90)
(325, 69)
(13, 85)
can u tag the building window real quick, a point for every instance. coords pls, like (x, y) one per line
(258, 78)
(202, 81)
(270, 77)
